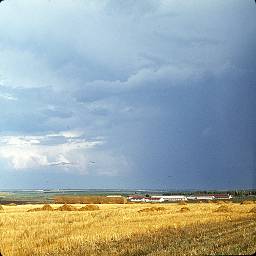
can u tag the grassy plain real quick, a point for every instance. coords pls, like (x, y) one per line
(127, 230)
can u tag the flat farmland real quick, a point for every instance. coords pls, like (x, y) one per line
(129, 229)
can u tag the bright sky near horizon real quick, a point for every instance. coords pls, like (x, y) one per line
(128, 94)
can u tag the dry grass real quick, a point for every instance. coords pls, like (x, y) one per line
(89, 207)
(67, 207)
(223, 208)
(152, 209)
(34, 210)
(190, 240)
(122, 230)
(12, 204)
(46, 207)
(253, 210)
(89, 200)
(184, 209)
(182, 203)
(1, 208)
(220, 202)
(247, 202)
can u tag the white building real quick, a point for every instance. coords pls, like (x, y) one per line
(154, 200)
(136, 198)
(191, 197)
(205, 197)
(222, 196)
(172, 198)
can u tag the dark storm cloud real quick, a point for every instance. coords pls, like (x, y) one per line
(168, 85)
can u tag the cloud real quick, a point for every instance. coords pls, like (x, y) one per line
(26, 152)
(84, 41)
(145, 77)
(163, 77)
(67, 151)
(6, 96)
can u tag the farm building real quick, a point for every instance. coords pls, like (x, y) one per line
(222, 196)
(209, 197)
(172, 198)
(159, 199)
(136, 198)
(154, 200)
(191, 197)
(204, 197)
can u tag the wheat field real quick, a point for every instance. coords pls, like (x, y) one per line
(129, 229)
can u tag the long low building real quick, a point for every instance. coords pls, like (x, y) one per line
(204, 197)
(222, 196)
(174, 198)
(137, 198)
(154, 200)
(210, 197)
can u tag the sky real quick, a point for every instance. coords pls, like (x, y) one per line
(128, 94)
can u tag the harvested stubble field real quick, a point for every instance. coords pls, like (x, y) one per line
(128, 230)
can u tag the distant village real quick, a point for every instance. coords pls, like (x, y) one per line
(173, 198)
